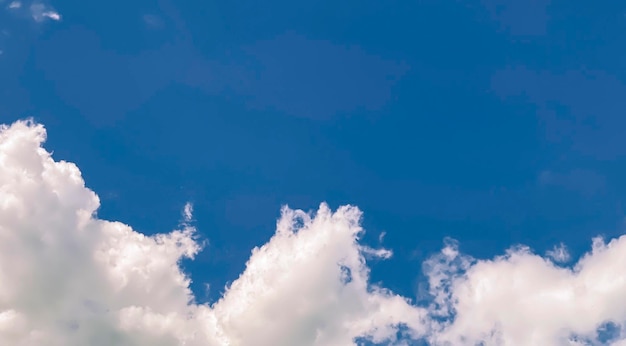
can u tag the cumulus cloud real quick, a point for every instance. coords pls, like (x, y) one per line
(70, 278)
(523, 299)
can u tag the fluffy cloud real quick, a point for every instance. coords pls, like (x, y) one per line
(69, 278)
(524, 299)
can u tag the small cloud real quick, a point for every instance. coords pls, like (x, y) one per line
(41, 12)
(15, 5)
(559, 254)
(188, 212)
(376, 253)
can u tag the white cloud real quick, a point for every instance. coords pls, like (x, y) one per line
(188, 212)
(15, 5)
(41, 12)
(559, 253)
(381, 236)
(37, 10)
(524, 299)
(69, 278)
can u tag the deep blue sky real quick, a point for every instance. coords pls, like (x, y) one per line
(492, 122)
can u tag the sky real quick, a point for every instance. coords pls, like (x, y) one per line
(312, 173)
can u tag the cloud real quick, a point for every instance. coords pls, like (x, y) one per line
(188, 212)
(559, 253)
(41, 12)
(524, 299)
(14, 5)
(70, 278)
(37, 10)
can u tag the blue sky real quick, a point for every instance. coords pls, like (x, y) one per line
(488, 122)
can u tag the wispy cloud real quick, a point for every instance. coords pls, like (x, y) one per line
(41, 12)
(152, 21)
(37, 10)
(15, 5)
(188, 212)
(559, 253)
